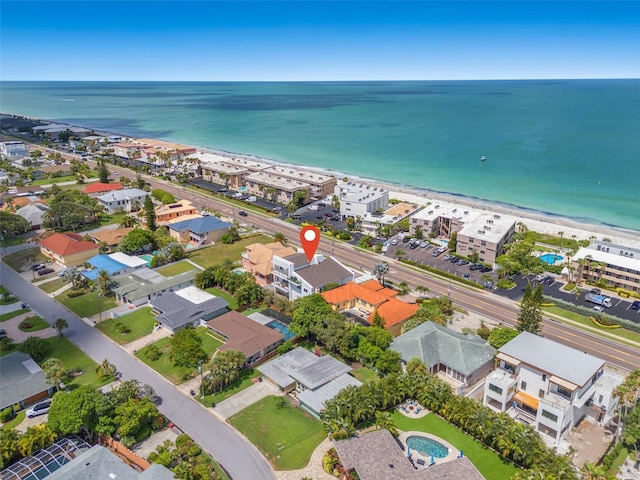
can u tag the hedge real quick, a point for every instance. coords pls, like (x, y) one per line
(626, 324)
(441, 273)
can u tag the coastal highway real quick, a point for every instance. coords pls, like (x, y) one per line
(481, 302)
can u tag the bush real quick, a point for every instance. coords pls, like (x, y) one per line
(6, 415)
(506, 283)
(7, 344)
(153, 353)
(123, 329)
(76, 293)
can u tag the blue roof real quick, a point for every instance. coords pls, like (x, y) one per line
(200, 225)
(102, 262)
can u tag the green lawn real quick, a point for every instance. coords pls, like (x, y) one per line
(20, 259)
(36, 323)
(165, 367)
(214, 255)
(246, 380)
(11, 424)
(75, 359)
(15, 313)
(139, 322)
(286, 436)
(86, 305)
(233, 305)
(365, 374)
(47, 180)
(175, 269)
(10, 301)
(52, 286)
(10, 242)
(488, 462)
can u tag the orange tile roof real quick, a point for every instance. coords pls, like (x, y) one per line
(371, 292)
(65, 244)
(111, 236)
(394, 311)
(16, 203)
(101, 187)
(261, 255)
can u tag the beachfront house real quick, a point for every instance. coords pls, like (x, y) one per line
(550, 386)
(357, 199)
(128, 199)
(295, 277)
(618, 266)
(486, 235)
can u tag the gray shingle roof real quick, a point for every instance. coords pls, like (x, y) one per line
(325, 272)
(20, 378)
(133, 286)
(554, 358)
(177, 312)
(435, 344)
(298, 259)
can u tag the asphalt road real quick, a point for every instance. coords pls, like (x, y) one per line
(239, 457)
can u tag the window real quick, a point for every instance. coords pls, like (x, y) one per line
(564, 392)
(550, 416)
(523, 385)
(495, 388)
(541, 393)
(544, 377)
(600, 398)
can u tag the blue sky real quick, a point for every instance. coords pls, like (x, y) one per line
(328, 40)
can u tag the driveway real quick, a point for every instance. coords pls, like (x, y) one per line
(17, 335)
(239, 457)
(243, 399)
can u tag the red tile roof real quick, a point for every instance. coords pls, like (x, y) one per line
(65, 244)
(394, 311)
(371, 292)
(101, 187)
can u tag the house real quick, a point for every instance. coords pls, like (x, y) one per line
(377, 455)
(33, 214)
(461, 359)
(141, 286)
(186, 307)
(114, 263)
(68, 249)
(245, 335)
(295, 277)
(550, 386)
(618, 266)
(312, 379)
(198, 231)
(22, 382)
(364, 300)
(257, 259)
(110, 237)
(356, 199)
(485, 235)
(165, 213)
(100, 188)
(128, 199)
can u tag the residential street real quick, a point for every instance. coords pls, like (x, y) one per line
(239, 458)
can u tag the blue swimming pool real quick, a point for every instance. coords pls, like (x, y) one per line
(242, 189)
(551, 258)
(282, 328)
(427, 446)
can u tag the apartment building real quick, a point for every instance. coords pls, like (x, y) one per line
(550, 386)
(321, 185)
(358, 199)
(275, 187)
(486, 235)
(441, 219)
(617, 266)
(371, 222)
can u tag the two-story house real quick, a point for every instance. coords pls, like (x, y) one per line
(549, 385)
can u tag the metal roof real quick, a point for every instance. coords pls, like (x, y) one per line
(102, 262)
(316, 399)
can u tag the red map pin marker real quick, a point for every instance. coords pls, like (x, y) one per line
(310, 238)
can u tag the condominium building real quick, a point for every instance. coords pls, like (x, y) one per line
(321, 185)
(486, 235)
(371, 222)
(357, 199)
(617, 266)
(441, 219)
(275, 187)
(550, 386)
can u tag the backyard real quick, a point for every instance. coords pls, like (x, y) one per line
(286, 436)
(165, 367)
(176, 268)
(136, 324)
(214, 255)
(86, 305)
(233, 305)
(488, 462)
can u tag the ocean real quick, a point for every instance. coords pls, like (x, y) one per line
(563, 147)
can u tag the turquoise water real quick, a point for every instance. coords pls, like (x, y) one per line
(147, 258)
(427, 446)
(282, 328)
(566, 147)
(551, 258)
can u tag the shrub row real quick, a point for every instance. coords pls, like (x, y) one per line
(604, 323)
(626, 324)
(441, 273)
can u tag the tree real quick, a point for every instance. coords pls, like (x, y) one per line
(186, 348)
(422, 289)
(149, 213)
(377, 320)
(501, 336)
(103, 172)
(280, 238)
(133, 417)
(380, 270)
(104, 282)
(453, 242)
(9, 447)
(137, 240)
(416, 366)
(77, 411)
(530, 316)
(54, 372)
(37, 348)
(307, 313)
(35, 438)
(106, 370)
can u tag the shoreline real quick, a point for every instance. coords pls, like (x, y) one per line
(538, 220)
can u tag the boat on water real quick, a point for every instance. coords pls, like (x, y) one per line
(483, 158)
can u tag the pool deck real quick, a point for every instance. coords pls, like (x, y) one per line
(453, 452)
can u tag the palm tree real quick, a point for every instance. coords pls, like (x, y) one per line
(279, 237)
(54, 372)
(422, 289)
(106, 370)
(403, 288)
(591, 471)
(104, 282)
(60, 324)
(380, 270)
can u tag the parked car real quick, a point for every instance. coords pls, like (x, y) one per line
(466, 276)
(476, 266)
(447, 258)
(595, 291)
(39, 409)
(405, 239)
(635, 305)
(463, 262)
(394, 241)
(37, 266)
(486, 269)
(3, 333)
(45, 271)
(598, 308)
(454, 259)
(242, 213)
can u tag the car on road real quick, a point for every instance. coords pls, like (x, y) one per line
(242, 213)
(39, 409)
(45, 271)
(635, 305)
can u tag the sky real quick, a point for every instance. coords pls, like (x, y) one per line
(317, 41)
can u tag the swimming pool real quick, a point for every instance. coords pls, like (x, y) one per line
(147, 258)
(551, 258)
(282, 328)
(242, 189)
(427, 446)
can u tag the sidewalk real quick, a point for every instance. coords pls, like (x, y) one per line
(157, 334)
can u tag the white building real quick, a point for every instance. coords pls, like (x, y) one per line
(13, 149)
(295, 277)
(441, 219)
(617, 265)
(486, 235)
(550, 386)
(357, 199)
(122, 199)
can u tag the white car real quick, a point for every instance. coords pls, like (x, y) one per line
(394, 242)
(598, 308)
(39, 409)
